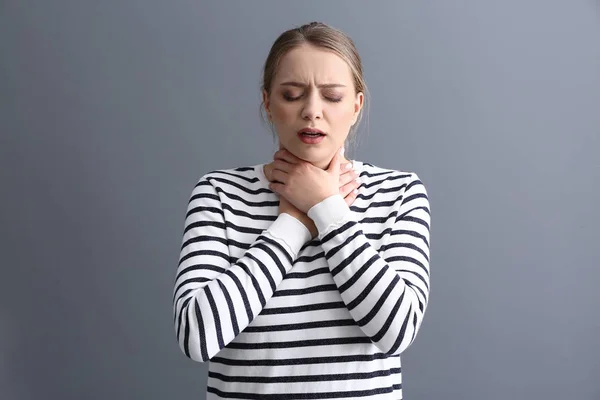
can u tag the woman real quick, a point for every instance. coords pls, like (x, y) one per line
(291, 282)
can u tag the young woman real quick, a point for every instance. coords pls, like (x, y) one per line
(295, 280)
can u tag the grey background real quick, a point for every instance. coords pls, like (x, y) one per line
(110, 111)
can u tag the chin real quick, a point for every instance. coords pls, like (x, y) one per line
(313, 156)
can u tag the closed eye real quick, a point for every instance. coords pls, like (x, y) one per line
(288, 97)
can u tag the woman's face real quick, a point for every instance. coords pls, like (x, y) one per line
(313, 88)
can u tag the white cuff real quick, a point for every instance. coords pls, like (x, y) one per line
(293, 233)
(331, 211)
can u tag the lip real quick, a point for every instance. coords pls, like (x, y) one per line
(310, 130)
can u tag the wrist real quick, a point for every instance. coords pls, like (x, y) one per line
(306, 221)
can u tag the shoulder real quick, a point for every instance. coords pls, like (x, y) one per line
(396, 188)
(379, 177)
(234, 179)
(235, 174)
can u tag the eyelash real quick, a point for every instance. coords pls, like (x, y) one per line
(290, 98)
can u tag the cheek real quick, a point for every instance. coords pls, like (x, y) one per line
(283, 111)
(342, 115)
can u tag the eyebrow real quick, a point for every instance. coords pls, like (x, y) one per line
(323, 85)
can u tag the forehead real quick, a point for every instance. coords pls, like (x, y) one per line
(307, 63)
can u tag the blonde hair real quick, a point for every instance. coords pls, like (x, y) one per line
(323, 36)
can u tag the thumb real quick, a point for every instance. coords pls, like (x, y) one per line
(334, 165)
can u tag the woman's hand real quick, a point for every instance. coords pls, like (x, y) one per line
(305, 185)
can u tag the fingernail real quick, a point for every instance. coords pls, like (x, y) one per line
(342, 152)
(348, 166)
(358, 180)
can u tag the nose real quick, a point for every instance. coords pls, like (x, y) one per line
(313, 107)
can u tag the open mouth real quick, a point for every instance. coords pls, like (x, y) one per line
(312, 133)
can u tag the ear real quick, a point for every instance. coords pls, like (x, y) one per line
(358, 104)
(266, 103)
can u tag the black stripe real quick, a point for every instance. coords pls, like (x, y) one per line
(186, 337)
(198, 224)
(300, 326)
(216, 317)
(411, 233)
(234, 323)
(424, 208)
(416, 248)
(387, 179)
(245, 214)
(358, 273)
(249, 203)
(393, 314)
(305, 378)
(202, 238)
(243, 229)
(301, 396)
(301, 361)
(415, 182)
(308, 274)
(202, 337)
(308, 259)
(187, 281)
(345, 262)
(402, 332)
(304, 308)
(337, 231)
(243, 188)
(255, 283)
(374, 174)
(337, 248)
(281, 248)
(245, 178)
(206, 252)
(412, 261)
(307, 290)
(264, 270)
(207, 209)
(273, 258)
(414, 197)
(384, 296)
(300, 343)
(416, 220)
(200, 267)
(415, 287)
(372, 205)
(367, 289)
(179, 320)
(242, 292)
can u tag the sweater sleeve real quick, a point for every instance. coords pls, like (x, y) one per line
(385, 291)
(215, 298)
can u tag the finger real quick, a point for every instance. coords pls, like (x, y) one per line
(348, 177)
(285, 155)
(349, 187)
(279, 176)
(346, 169)
(349, 199)
(334, 165)
(275, 187)
(282, 165)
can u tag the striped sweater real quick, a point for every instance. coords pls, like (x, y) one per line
(281, 316)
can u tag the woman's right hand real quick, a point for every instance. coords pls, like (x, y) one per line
(347, 181)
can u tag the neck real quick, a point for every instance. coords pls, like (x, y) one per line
(324, 164)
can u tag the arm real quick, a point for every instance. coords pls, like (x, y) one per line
(215, 299)
(386, 292)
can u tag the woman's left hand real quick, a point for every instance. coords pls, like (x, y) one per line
(301, 183)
